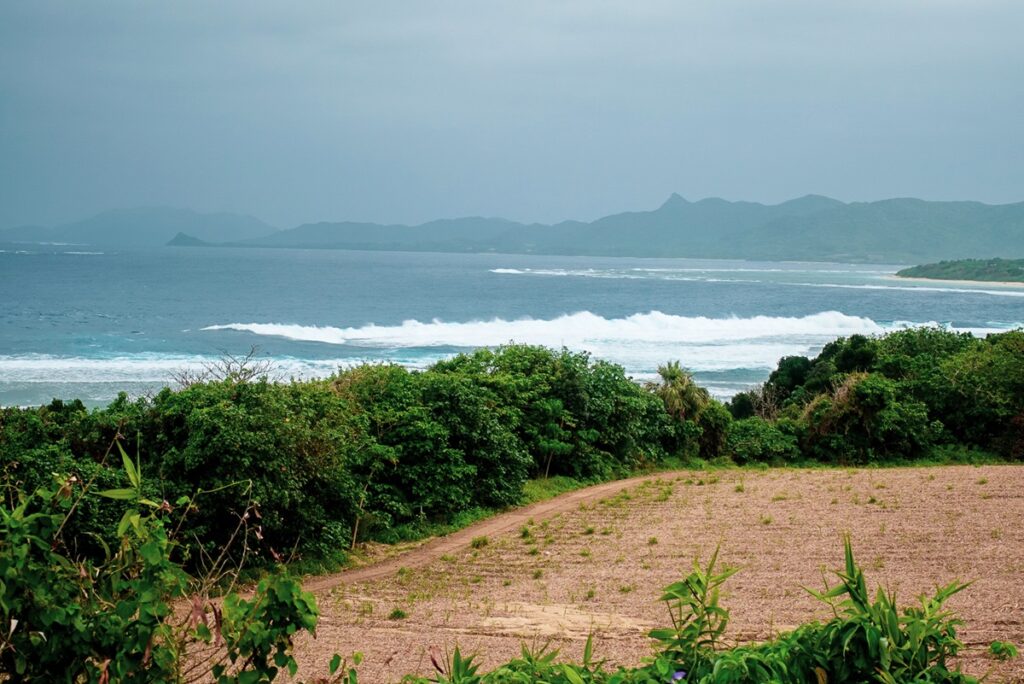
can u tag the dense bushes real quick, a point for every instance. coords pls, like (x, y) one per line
(900, 396)
(378, 451)
(371, 452)
(754, 439)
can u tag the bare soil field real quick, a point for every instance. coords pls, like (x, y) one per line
(594, 562)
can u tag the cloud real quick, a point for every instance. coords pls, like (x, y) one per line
(400, 111)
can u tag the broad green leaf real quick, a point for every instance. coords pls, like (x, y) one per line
(124, 494)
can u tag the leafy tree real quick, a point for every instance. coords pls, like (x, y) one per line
(757, 440)
(683, 398)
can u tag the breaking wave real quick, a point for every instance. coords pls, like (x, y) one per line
(639, 342)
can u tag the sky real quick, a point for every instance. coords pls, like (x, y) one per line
(531, 110)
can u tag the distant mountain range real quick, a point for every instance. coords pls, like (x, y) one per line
(809, 228)
(144, 227)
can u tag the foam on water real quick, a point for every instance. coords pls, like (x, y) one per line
(882, 278)
(574, 330)
(148, 367)
(639, 342)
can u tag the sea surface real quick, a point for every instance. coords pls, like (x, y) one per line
(83, 323)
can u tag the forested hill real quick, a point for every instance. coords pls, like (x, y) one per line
(808, 228)
(986, 270)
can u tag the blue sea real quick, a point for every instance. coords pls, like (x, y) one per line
(87, 323)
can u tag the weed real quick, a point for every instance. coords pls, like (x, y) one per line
(739, 488)
(590, 594)
(538, 573)
(652, 541)
(397, 614)
(766, 520)
(1003, 650)
(585, 553)
(479, 542)
(982, 480)
(588, 530)
(626, 588)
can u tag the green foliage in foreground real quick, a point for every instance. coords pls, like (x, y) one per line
(993, 270)
(868, 640)
(123, 618)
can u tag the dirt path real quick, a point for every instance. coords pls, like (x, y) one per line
(503, 522)
(593, 562)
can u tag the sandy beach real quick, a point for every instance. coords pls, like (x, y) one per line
(943, 281)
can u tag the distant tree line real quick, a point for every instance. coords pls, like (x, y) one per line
(986, 270)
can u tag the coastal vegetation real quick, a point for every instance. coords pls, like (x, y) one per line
(110, 513)
(985, 270)
(380, 452)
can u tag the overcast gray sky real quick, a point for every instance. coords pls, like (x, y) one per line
(409, 111)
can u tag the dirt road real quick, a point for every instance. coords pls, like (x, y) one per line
(593, 562)
(503, 522)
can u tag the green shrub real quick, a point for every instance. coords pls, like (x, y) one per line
(115, 619)
(755, 440)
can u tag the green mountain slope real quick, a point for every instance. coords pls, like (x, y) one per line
(808, 228)
(811, 228)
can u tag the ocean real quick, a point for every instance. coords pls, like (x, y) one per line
(87, 323)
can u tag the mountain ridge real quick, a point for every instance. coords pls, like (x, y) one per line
(811, 227)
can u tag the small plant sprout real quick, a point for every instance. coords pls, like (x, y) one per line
(1003, 650)
(479, 542)
(397, 614)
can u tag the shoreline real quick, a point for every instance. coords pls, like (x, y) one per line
(997, 283)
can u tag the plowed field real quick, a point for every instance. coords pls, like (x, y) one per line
(594, 561)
